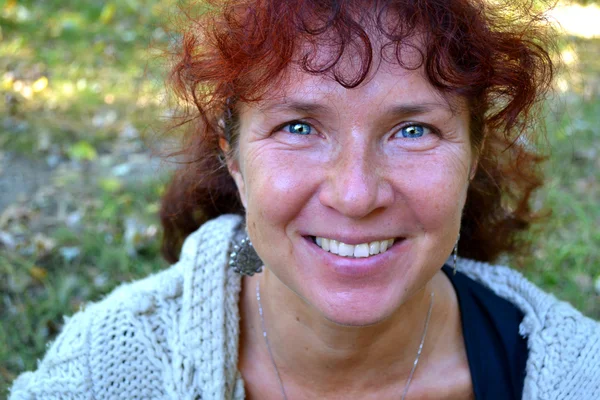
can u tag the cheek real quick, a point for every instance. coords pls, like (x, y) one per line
(278, 188)
(435, 190)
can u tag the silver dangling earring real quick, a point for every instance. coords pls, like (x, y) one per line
(455, 256)
(244, 260)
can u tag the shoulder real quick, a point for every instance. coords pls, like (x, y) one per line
(564, 345)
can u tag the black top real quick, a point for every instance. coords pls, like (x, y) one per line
(496, 352)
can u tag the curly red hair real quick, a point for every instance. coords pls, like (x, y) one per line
(497, 57)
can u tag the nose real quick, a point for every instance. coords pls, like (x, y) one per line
(356, 183)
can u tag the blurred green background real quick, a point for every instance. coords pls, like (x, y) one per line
(80, 189)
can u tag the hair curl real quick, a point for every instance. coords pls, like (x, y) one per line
(496, 56)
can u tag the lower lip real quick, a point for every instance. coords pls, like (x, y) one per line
(362, 267)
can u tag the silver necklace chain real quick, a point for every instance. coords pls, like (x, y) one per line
(412, 371)
(264, 329)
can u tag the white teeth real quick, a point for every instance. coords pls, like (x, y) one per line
(374, 248)
(361, 250)
(358, 251)
(345, 250)
(383, 246)
(333, 246)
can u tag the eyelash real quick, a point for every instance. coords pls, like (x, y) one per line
(425, 127)
(414, 124)
(296, 122)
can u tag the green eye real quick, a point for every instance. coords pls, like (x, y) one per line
(413, 131)
(298, 128)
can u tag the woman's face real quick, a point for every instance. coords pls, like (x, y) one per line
(324, 169)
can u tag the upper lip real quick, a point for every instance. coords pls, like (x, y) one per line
(354, 240)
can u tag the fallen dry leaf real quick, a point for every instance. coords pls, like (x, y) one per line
(38, 273)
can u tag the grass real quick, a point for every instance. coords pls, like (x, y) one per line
(105, 251)
(81, 61)
(79, 82)
(566, 256)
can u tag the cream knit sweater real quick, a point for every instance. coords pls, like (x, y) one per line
(174, 335)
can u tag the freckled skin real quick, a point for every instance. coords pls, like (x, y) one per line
(354, 173)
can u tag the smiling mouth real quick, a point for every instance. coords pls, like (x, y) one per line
(362, 250)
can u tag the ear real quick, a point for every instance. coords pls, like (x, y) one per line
(473, 169)
(233, 166)
(477, 153)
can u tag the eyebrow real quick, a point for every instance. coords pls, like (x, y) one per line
(297, 106)
(405, 110)
(401, 110)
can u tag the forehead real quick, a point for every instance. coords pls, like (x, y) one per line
(387, 84)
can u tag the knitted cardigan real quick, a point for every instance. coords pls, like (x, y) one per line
(174, 335)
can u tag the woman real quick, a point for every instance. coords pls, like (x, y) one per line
(362, 145)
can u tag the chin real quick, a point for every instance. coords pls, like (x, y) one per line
(358, 311)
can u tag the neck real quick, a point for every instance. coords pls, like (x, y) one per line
(310, 351)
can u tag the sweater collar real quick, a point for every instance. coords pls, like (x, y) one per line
(210, 314)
